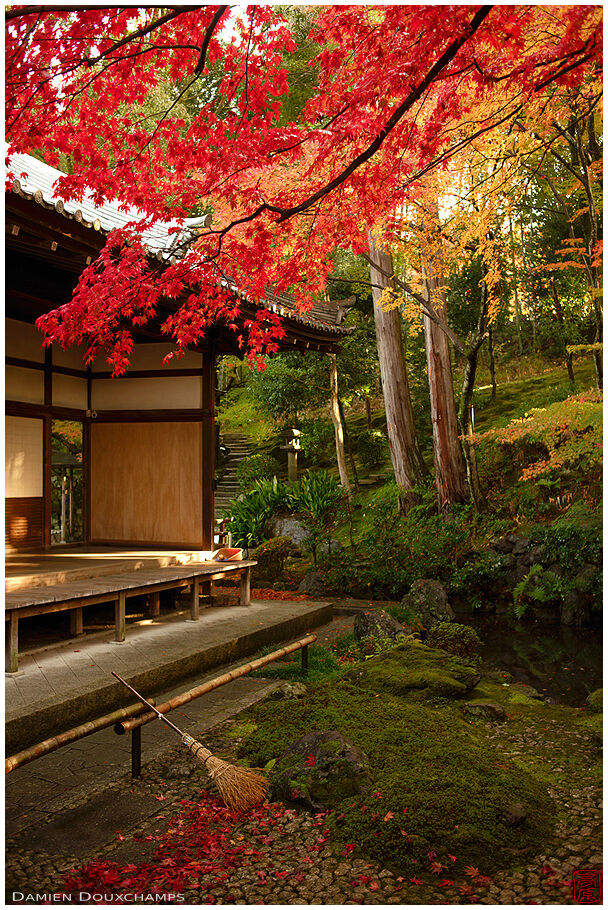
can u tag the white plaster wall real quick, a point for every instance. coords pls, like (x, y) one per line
(150, 357)
(148, 394)
(69, 392)
(23, 472)
(23, 341)
(72, 357)
(22, 384)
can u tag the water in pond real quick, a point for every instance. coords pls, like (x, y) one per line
(561, 662)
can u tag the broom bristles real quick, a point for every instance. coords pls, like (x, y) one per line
(240, 788)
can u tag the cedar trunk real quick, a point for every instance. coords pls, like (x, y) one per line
(450, 470)
(337, 422)
(405, 453)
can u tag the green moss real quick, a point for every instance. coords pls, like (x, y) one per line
(415, 668)
(595, 700)
(443, 781)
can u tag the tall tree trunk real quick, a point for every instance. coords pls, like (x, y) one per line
(492, 362)
(450, 469)
(515, 291)
(368, 412)
(465, 409)
(559, 312)
(405, 453)
(334, 405)
(349, 447)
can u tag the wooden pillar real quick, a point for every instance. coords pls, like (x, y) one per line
(120, 616)
(76, 621)
(208, 449)
(86, 463)
(194, 604)
(154, 609)
(12, 643)
(47, 449)
(245, 594)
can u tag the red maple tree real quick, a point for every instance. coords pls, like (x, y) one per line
(107, 86)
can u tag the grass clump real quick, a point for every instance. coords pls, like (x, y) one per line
(322, 664)
(437, 786)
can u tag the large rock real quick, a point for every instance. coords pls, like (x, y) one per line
(485, 709)
(287, 526)
(313, 584)
(413, 670)
(575, 609)
(320, 770)
(377, 624)
(428, 601)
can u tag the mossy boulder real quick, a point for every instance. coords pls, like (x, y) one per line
(415, 670)
(377, 627)
(434, 776)
(427, 601)
(320, 770)
(271, 556)
(595, 700)
(458, 639)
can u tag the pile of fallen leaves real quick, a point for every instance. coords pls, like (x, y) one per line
(199, 850)
(268, 594)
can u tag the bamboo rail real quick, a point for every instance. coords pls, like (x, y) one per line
(70, 736)
(212, 684)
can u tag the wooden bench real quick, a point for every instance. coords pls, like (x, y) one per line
(76, 595)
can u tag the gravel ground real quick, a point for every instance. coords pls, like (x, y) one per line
(289, 859)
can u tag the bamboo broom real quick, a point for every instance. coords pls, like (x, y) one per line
(240, 788)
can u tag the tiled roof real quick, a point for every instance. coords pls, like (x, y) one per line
(35, 180)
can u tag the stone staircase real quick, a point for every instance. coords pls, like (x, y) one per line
(228, 487)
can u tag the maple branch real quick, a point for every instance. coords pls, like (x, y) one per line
(144, 30)
(392, 122)
(200, 65)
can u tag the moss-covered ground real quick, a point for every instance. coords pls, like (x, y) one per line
(440, 780)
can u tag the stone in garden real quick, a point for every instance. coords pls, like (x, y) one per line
(575, 609)
(413, 670)
(427, 599)
(514, 815)
(289, 690)
(501, 545)
(488, 710)
(528, 691)
(521, 546)
(319, 770)
(313, 584)
(377, 624)
(329, 547)
(595, 700)
(287, 526)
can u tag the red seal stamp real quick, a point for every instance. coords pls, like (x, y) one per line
(587, 886)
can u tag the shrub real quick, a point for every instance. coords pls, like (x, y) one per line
(371, 447)
(463, 641)
(540, 586)
(478, 576)
(317, 441)
(572, 540)
(538, 462)
(256, 467)
(249, 513)
(271, 556)
(319, 497)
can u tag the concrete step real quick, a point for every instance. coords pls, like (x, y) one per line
(64, 686)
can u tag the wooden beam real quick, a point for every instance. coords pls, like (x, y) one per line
(12, 643)
(120, 617)
(208, 451)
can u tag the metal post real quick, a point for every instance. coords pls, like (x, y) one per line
(305, 660)
(136, 752)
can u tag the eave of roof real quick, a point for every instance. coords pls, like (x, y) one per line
(35, 182)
